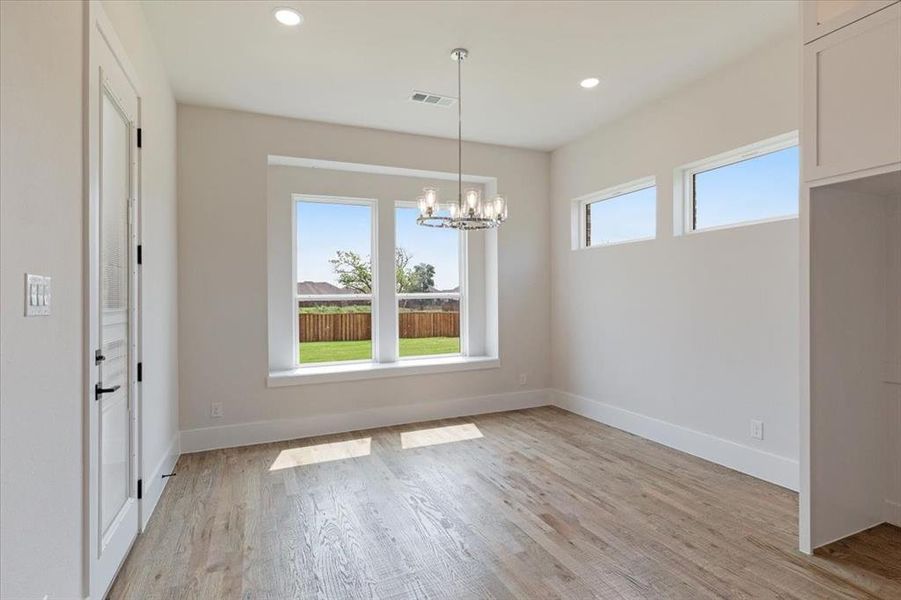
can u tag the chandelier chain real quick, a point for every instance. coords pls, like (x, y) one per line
(470, 211)
(460, 132)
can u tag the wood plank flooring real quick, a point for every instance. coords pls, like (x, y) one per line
(537, 503)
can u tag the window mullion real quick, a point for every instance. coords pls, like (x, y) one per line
(384, 311)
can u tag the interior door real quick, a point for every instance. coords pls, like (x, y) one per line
(113, 487)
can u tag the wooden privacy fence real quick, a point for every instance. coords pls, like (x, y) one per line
(345, 327)
(422, 324)
(334, 327)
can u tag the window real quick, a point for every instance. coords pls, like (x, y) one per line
(621, 214)
(752, 184)
(427, 266)
(357, 290)
(335, 280)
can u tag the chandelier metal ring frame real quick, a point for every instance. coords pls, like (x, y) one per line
(470, 211)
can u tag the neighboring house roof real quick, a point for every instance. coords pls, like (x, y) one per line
(320, 287)
(324, 287)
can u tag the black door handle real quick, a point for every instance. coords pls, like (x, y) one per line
(99, 390)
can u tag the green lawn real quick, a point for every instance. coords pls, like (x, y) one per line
(312, 352)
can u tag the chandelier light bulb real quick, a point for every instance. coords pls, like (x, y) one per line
(454, 209)
(472, 199)
(431, 196)
(500, 207)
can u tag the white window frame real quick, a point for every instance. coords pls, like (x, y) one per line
(580, 208)
(479, 281)
(460, 296)
(685, 177)
(372, 204)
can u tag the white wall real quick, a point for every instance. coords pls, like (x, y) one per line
(159, 271)
(42, 480)
(223, 279)
(687, 338)
(893, 361)
(848, 415)
(41, 358)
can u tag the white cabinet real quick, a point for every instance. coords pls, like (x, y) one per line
(852, 97)
(825, 16)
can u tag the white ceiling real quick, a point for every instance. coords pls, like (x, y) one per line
(357, 62)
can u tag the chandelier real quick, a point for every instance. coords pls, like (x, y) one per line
(469, 211)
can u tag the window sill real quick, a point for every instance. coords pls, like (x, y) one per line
(741, 224)
(357, 371)
(619, 243)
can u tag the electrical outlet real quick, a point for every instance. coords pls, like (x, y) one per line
(522, 379)
(216, 410)
(756, 429)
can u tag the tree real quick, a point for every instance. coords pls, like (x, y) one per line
(402, 275)
(422, 278)
(355, 273)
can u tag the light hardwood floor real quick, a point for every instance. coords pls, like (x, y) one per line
(545, 504)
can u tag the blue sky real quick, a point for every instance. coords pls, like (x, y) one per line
(438, 247)
(760, 188)
(323, 229)
(627, 217)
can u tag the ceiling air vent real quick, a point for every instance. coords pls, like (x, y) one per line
(433, 99)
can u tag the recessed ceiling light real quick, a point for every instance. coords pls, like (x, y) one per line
(288, 16)
(589, 83)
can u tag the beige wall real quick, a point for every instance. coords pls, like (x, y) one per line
(42, 479)
(697, 331)
(223, 268)
(41, 358)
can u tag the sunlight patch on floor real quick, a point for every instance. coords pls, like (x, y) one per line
(439, 435)
(320, 453)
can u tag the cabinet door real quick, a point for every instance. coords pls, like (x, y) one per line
(852, 97)
(825, 16)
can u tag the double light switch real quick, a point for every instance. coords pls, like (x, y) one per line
(37, 295)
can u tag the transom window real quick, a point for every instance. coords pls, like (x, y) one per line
(748, 185)
(624, 213)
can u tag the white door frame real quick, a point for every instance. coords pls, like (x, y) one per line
(99, 32)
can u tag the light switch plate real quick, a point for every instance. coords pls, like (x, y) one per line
(37, 295)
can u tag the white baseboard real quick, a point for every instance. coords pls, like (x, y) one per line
(259, 432)
(154, 484)
(770, 467)
(893, 512)
(764, 465)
